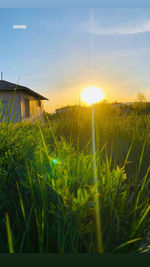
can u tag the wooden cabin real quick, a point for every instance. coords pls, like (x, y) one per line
(19, 103)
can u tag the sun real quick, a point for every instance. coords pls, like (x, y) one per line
(92, 94)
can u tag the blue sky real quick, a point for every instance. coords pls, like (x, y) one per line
(64, 50)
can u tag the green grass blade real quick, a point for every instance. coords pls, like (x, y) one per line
(126, 243)
(9, 234)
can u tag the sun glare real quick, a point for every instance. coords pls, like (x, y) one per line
(91, 95)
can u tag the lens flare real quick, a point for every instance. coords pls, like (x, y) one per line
(54, 161)
(92, 94)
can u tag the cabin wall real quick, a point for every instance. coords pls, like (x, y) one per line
(18, 112)
(10, 97)
(34, 109)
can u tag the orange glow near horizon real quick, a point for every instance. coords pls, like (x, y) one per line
(72, 95)
(92, 94)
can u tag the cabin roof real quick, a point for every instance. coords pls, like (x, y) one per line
(8, 86)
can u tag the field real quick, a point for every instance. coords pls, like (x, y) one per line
(47, 192)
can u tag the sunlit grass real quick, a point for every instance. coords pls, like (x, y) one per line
(47, 191)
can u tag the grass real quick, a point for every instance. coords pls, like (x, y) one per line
(47, 192)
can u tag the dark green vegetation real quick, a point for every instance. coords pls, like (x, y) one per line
(46, 183)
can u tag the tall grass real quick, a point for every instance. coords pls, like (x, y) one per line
(47, 192)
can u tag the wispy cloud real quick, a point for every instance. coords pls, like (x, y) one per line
(129, 28)
(34, 61)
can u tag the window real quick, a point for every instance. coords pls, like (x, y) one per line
(27, 108)
(38, 103)
(4, 108)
